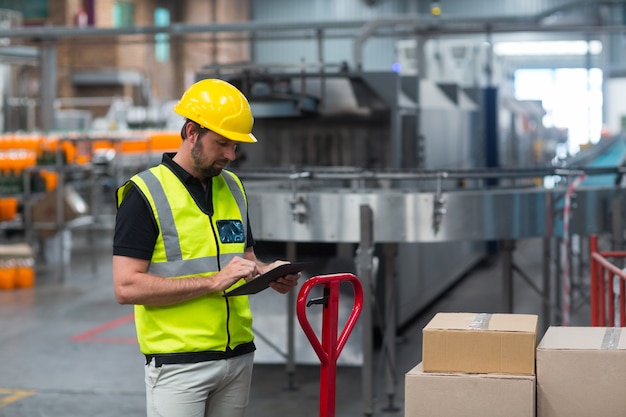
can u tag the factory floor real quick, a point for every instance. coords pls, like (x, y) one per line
(69, 350)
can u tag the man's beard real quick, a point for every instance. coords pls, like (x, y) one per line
(205, 172)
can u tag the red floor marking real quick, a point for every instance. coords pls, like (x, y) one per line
(90, 335)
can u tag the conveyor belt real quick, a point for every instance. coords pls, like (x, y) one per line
(305, 206)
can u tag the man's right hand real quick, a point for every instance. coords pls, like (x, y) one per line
(235, 270)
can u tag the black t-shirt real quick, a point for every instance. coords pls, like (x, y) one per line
(136, 230)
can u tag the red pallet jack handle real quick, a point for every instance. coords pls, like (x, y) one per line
(330, 348)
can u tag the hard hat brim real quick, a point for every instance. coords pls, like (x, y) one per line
(237, 137)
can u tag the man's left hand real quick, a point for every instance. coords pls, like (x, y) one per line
(285, 284)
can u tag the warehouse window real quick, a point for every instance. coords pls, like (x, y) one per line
(123, 14)
(547, 48)
(162, 40)
(33, 12)
(572, 99)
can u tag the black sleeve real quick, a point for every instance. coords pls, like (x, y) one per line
(250, 240)
(136, 231)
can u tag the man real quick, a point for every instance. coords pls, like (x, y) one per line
(181, 240)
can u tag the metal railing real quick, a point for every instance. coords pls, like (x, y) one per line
(603, 295)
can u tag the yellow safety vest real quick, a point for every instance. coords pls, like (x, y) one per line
(190, 244)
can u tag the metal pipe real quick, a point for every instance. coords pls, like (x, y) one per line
(58, 32)
(611, 299)
(364, 266)
(507, 248)
(290, 366)
(595, 271)
(546, 263)
(48, 90)
(389, 336)
(573, 5)
(428, 175)
(622, 303)
(419, 24)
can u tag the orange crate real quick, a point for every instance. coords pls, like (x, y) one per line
(8, 208)
(165, 141)
(134, 146)
(25, 273)
(7, 275)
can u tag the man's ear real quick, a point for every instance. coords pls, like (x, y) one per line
(191, 133)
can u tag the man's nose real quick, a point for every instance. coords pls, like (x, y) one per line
(231, 152)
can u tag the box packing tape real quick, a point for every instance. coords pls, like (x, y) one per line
(610, 341)
(480, 322)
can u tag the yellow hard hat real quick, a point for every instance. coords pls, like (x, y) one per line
(219, 106)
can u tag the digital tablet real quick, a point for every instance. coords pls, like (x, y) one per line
(263, 281)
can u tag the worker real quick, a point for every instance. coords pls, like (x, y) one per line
(182, 238)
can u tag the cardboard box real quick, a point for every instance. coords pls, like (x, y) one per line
(480, 343)
(430, 394)
(44, 210)
(581, 372)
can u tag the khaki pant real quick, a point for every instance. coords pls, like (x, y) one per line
(207, 389)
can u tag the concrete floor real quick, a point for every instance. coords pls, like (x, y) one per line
(69, 350)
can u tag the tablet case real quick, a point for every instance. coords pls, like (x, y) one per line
(263, 281)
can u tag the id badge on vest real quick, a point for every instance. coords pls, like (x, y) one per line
(231, 231)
